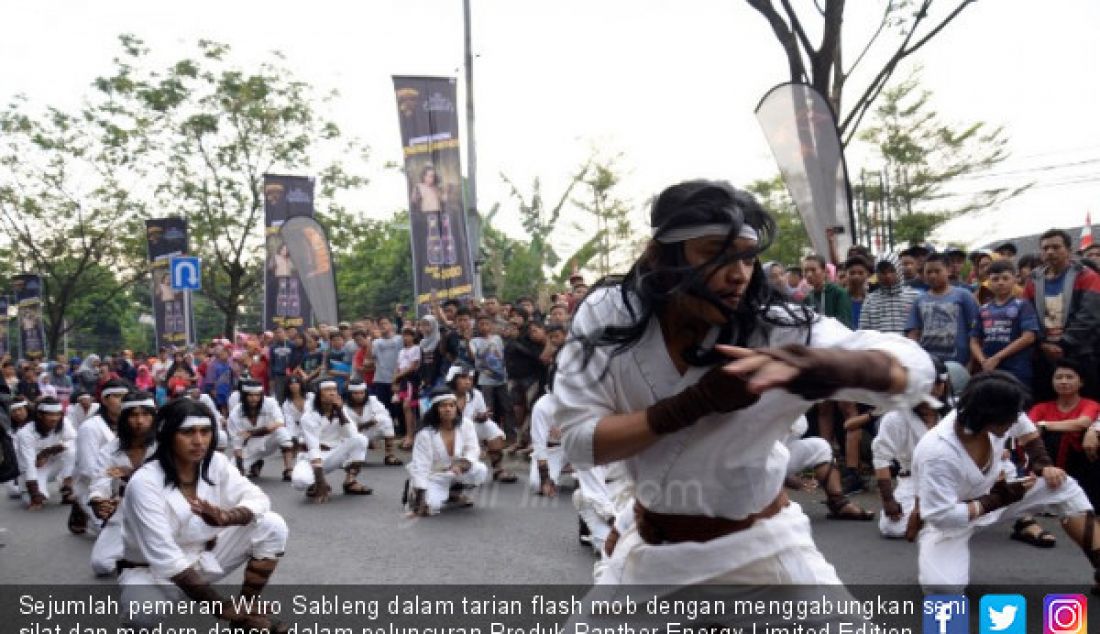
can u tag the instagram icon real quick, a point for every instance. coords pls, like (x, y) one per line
(1065, 614)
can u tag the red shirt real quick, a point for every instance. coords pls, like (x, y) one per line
(1070, 441)
(258, 371)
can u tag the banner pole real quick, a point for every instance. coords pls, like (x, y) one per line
(474, 241)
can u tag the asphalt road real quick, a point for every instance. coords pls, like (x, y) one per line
(509, 537)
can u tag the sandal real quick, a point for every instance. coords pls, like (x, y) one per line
(357, 488)
(255, 469)
(1042, 539)
(841, 508)
(78, 521)
(503, 475)
(460, 501)
(67, 495)
(392, 461)
(286, 474)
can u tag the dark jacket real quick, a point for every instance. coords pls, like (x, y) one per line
(1080, 308)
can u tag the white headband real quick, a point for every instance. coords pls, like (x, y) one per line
(324, 385)
(114, 390)
(441, 398)
(357, 387)
(455, 371)
(50, 408)
(147, 403)
(252, 389)
(17, 405)
(196, 421)
(679, 234)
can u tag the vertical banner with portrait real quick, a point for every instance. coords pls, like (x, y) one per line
(28, 300)
(428, 116)
(3, 325)
(285, 300)
(165, 238)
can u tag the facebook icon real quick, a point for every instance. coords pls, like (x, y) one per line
(946, 614)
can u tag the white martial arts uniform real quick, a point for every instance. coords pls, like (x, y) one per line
(159, 529)
(726, 465)
(329, 440)
(292, 416)
(108, 546)
(806, 453)
(92, 436)
(475, 406)
(28, 443)
(223, 437)
(374, 422)
(259, 447)
(899, 431)
(545, 442)
(947, 478)
(76, 414)
(430, 466)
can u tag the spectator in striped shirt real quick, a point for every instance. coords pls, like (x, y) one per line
(888, 306)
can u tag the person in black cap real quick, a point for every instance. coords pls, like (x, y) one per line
(691, 369)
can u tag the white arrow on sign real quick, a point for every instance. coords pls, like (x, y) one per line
(185, 274)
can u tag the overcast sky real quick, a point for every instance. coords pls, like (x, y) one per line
(670, 85)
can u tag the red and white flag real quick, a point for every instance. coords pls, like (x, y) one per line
(1086, 232)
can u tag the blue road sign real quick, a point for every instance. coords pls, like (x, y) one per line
(186, 273)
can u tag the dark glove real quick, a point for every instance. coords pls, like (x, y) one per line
(821, 372)
(1001, 495)
(890, 506)
(1037, 456)
(716, 391)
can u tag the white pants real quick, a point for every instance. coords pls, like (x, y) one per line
(944, 560)
(223, 440)
(555, 460)
(352, 449)
(80, 493)
(58, 467)
(259, 448)
(263, 538)
(439, 484)
(906, 496)
(807, 453)
(107, 549)
(379, 430)
(488, 430)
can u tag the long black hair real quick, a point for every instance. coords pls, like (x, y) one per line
(126, 437)
(59, 427)
(662, 272)
(296, 380)
(991, 398)
(430, 419)
(168, 421)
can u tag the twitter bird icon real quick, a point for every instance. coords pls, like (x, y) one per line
(1003, 614)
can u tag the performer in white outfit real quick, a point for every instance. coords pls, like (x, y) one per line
(460, 379)
(82, 407)
(815, 453)
(700, 426)
(445, 457)
(195, 394)
(371, 418)
(547, 457)
(899, 431)
(122, 456)
(46, 451)
(256, 430)
(91, 437)
(962, 486)
(332, 442)
(189, 519)
(18, 415)
(296, 402)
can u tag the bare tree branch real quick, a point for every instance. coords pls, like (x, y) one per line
(784, 35)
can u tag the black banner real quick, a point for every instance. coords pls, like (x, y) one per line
(312, 256)
(165, 238)
(429, 134)
(28, 298)
(285, 302)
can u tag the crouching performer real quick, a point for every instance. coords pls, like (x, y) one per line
(189, 518)
(962, 485)
(815, 453)
(332, 442)
(45, 451)
(257, 430)
(445, 457)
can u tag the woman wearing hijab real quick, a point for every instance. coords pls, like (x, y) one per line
(88, 374)
(45, 387)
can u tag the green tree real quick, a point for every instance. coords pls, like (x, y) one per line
(610, 214)
(373, 265)
(211, 130)
(924, 157)
(67, 209)
(828, 65)
(791, 241)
